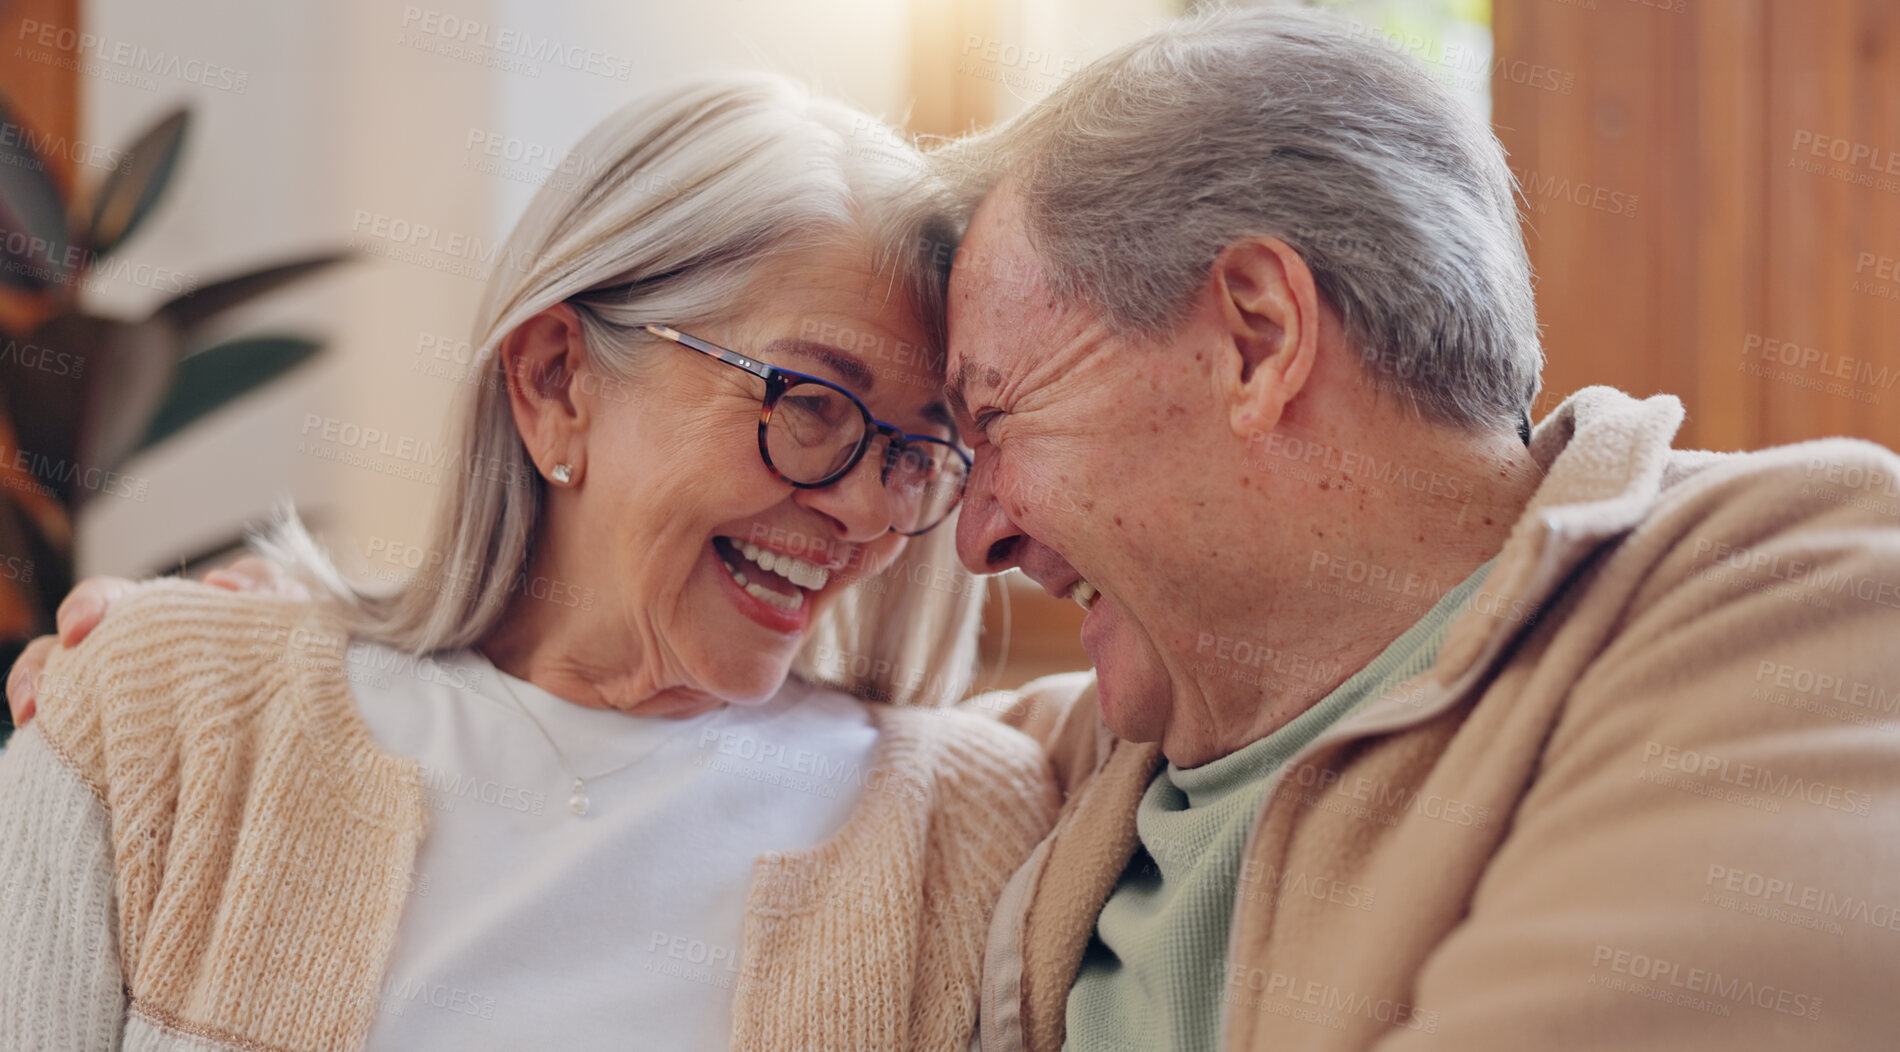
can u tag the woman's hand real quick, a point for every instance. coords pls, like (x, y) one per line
(80, 612)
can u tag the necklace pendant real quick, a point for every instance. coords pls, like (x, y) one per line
(578, 802)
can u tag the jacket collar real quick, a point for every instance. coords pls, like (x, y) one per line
(1604, 456)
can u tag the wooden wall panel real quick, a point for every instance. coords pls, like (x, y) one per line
(1734, 284)
(46, 93)
(946, 100)
(44, 96)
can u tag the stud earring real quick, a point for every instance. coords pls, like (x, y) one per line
(563, 473)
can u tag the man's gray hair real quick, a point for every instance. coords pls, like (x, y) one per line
(1139, 169)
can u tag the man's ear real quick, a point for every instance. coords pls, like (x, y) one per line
(541, 359)
(1266, 314)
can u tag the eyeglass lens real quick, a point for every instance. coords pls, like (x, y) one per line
(815, 431)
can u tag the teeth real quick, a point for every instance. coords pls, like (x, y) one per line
(1084, 594)
(798, 571)
(787, 603)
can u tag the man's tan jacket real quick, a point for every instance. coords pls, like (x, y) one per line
(1647, 798)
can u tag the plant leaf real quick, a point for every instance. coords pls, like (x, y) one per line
(132, 188)
(220, 375)
(36, 576)
(30, 204)
(129, 367)
(56, 412)
(194, 308)
(43, 388)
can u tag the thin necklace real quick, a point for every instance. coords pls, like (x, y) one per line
(578, 801)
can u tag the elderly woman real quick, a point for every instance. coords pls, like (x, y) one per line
(590, 781)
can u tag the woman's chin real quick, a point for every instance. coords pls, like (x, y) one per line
(755, 684)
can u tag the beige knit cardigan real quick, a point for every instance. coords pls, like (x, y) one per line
(201, 847)
(1647, 798)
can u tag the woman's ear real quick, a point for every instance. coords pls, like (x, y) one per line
(540, 361)
(1266, 311)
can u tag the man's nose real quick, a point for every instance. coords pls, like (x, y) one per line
(987, 541)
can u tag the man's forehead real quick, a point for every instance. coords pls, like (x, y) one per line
(996, 254)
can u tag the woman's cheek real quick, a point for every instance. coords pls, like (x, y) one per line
(881, 553)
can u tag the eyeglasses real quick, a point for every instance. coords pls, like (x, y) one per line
(812, 432)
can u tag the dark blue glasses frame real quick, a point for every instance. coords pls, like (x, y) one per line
(778, 381)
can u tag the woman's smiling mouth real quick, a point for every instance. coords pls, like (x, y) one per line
(778, 579)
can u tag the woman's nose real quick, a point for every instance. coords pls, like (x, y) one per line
(856, 502)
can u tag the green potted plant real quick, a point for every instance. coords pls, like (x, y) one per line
(80, 393)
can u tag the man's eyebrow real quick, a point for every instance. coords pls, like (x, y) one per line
(857, 375)
(960, 377)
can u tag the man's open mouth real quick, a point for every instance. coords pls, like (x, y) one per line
(1084, 595)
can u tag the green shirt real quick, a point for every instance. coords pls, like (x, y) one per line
(1151, 978)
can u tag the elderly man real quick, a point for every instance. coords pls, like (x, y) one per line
(1410, 729)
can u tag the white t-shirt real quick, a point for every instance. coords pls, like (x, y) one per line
(528, 927)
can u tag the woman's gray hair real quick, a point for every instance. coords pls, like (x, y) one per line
(684, 195)
(1140, 168)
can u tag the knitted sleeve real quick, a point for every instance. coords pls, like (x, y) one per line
(995, 800)
(60, 982)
